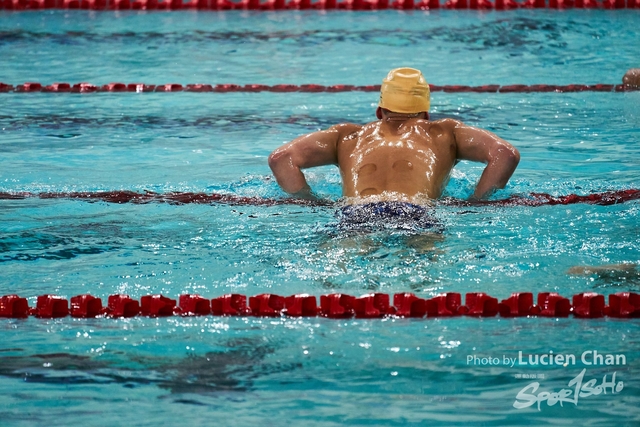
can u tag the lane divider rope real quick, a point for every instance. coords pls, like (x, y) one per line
(30, 87)
(591, 305)
(359, 5)
(606, 198)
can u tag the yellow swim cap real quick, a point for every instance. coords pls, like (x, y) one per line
(405, 90)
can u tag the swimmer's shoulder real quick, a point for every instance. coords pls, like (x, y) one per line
(443, 128)
(347, 130)
(442, 133)
(446, 124)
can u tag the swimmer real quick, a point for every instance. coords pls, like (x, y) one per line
(625, 268)
(623, 274)
(399, 164)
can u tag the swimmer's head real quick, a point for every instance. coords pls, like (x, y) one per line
(405, 91)
(632, 78)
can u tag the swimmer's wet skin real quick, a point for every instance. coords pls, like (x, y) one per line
(402, 157)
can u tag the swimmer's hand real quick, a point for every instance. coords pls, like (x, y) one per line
(474, 198)
(306, 194)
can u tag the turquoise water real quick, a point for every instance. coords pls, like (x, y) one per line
(253, 371)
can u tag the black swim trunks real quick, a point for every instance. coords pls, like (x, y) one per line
(388, 215)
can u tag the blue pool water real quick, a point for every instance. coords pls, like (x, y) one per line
(311, 371)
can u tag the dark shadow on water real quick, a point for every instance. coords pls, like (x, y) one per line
(515, 35)
(58, 243)
(618, 282)
(233, 122)
(232, 370)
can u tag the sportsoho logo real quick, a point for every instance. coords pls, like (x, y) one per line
(579, 387)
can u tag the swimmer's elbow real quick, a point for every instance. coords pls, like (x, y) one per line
(512, 158)
(508, 163)
(273, 159)
(278, 158)
(507, 157)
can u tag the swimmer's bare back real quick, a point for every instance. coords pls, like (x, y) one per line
(411, 159)
(395, 158)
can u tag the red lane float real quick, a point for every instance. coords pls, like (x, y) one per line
(51, 306)
(588, 305)
(372, 306)
(174, 87)
(194, 305)
(276, 5)
(266, 305)
(157, 306)
(409, 305)
(517, 305)
(623, 305)
(230, 305)
(444, 305)
(336, 306)
(29, 87)
(117, 87)
(552, 304)
(86, 306)
(480, 305)
(606, 198)
(14, 306)
(122, 306)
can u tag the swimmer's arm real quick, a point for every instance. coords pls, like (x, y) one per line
(479, 145)
(314, 149)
